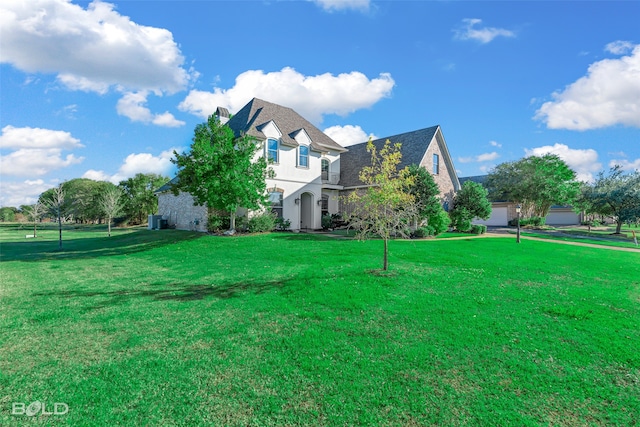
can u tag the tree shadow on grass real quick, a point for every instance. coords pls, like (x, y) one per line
(93, 247)
(182, 292)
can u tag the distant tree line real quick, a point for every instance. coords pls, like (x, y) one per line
(85, 201)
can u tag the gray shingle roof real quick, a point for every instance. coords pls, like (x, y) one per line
(414, 145)
(253, 116)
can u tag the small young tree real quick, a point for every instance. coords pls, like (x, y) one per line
(221, 172)
(33, 214)
(470, 202)
(53, 199)
(111, 204)
(385, 208)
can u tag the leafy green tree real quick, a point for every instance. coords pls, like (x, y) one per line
(386, 207)
(536, 182)
(139, 197)
(221, 171)
(111, 204)
(616, 194)
(425, 192)
(468, 203)
(8, 214)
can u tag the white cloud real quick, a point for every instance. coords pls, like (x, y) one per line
(468, 31)
(16, 193)
(35, 161)
(28, 137)
(628, 165)
(132, 105)
(137, 163)
(619, 47)
(608, 95)
(485, 157)
(310, 96)
(495, 144)
(37, 151)
(90, 49)
(583, 162)
(335, 5)
(348, 135)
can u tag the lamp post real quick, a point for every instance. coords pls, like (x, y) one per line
(518, 207)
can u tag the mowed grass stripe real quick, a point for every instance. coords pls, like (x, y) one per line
(284, 329)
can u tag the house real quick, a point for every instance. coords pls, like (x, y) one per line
(305, 160)
(502, 211)
(311, 170)
(424, 147)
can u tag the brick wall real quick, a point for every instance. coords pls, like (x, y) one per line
(181, 213)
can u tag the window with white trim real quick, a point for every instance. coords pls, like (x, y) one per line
(303, 156)
(272, 150)
(276, 202)
(436, 164)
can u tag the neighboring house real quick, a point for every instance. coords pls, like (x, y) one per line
(502, 212)
(305, 160)
(311, 170)
(424, 147)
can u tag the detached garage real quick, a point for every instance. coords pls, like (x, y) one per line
(562, 215)
(499, 216)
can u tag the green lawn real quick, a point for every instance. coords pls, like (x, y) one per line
(177, 328)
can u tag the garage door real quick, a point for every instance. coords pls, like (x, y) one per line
(562, 218)
(498, 218)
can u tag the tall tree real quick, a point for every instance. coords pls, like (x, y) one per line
(536, 182)
(469, 203)
(111, 204)
(386, 207)
(616, 194)
(425, 192)
(139, 198)
(221, 171)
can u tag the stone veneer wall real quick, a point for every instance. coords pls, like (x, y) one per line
(181, 213)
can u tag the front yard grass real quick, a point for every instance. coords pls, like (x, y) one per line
(178, 328)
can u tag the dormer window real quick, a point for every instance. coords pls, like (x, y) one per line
(272, 150)
(303, 156)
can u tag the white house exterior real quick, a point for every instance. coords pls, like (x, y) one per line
(305, 160)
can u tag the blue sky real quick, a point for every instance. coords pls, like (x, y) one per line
(104, 90)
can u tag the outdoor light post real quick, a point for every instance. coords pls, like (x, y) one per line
(518, 207)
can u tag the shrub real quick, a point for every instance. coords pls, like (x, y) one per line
(478, 229)
(262, 222)
(327, 222)
(217, 223)
(461, 219)
(424, 231)
(282, 224)
(439, 222)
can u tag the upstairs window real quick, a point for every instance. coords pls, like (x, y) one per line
(324, 168)
(436, 164)
(272, 150)
(303, 156)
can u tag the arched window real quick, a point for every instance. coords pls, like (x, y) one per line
(303, 156)
(272, 150)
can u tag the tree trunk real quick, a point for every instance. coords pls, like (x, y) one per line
(109, 227)
(385, 266)
(618, 226)
(34, 229)
(59, 230)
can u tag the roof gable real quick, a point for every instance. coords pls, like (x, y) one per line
(258, 112)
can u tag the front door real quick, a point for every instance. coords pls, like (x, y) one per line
(306, 210)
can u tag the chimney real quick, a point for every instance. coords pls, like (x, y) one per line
(222, 114)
